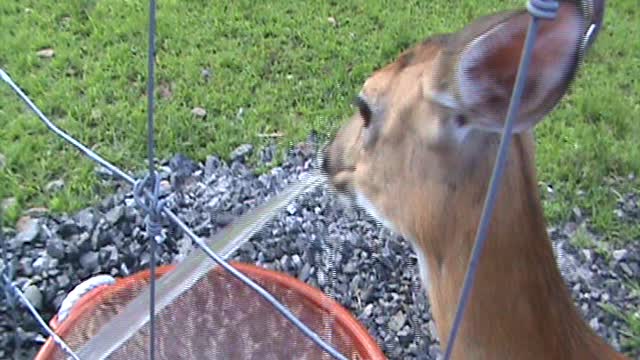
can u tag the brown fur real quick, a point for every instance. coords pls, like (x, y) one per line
(430, 186)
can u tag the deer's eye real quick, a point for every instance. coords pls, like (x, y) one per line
(364, 109)
(461, 120)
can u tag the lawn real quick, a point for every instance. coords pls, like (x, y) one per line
(272, 72)
(273, 68)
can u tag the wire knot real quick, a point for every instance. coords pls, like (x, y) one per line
(151, 204)
(543, 9)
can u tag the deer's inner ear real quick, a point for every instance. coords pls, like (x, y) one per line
(488, 64)
(364, 109)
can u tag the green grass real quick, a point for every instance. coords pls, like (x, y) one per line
(631, 339)
(290, 70)
(583, 238)
(633, 334)
(633, 322)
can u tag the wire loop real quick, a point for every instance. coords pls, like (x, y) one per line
(543, 9)
(151, 204)
(158, 207)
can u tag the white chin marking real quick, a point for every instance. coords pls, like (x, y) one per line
(461, 133)
(423, 267)
(344, 201)
(372, 211)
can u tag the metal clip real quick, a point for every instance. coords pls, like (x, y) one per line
(151, 205)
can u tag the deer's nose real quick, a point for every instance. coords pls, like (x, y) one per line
(325, 162)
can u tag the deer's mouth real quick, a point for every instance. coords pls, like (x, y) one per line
(341, 183)
(339, 176)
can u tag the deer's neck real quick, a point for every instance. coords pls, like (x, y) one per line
(520, 307)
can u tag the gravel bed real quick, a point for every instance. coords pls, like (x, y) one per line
(345, 253)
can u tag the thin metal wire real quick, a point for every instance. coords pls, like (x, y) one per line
(9, 288)
(547, 10)
(265, 294)
(543, 9)
(86, 151)
(153, 228)
(151, 143)
(537, 8)
(6, 273)
(36, 315)
(167, 212)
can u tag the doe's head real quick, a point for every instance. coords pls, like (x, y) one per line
(427, 124)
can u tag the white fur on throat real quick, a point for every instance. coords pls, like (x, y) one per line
(364, 203)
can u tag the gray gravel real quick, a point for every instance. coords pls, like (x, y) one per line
(367, 269)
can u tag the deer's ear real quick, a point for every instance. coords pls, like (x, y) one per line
(487, 65)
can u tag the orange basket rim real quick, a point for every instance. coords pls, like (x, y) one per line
(364, 343)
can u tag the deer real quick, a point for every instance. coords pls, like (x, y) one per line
(417, 155)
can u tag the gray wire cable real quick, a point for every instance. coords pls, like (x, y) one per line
(153, 216)
(538, 9)
(57, 339)
(95, 157)
(56, 130)
(265, 294)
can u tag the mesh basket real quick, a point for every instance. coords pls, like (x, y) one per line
(221, 318)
